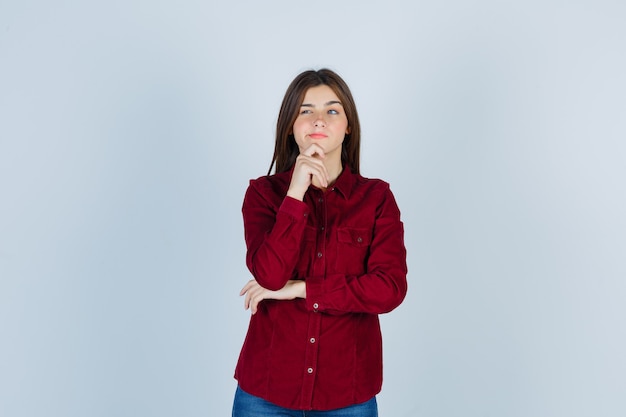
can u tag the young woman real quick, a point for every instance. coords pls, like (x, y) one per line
(326, 249)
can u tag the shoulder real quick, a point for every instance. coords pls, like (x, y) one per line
(369, 185)
(377, 193)
(273, 184)
(374, 191)
(267, 191)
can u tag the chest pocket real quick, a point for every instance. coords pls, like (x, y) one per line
(353, 245)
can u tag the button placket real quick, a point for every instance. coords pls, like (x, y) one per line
(319, 266)
(311, 355)
(318, 269)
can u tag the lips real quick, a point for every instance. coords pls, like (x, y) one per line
(318, 136)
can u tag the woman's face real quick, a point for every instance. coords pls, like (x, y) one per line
(321, 120)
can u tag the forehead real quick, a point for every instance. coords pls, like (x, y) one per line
(320, 94)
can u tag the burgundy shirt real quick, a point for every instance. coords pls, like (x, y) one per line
(347, 244)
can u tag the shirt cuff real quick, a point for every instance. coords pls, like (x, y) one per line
(295, 208)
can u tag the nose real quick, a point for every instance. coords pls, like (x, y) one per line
(319, 122)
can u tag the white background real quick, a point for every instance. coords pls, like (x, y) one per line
(129, 130)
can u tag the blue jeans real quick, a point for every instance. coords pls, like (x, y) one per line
(246, 405)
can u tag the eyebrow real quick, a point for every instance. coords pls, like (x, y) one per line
(329, 103)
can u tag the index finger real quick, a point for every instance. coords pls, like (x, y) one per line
(246, 287)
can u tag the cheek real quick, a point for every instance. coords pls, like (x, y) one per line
(342, 126)
(299, 142)
(298, 130)
(298, 134)
(297, 125)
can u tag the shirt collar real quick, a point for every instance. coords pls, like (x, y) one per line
(345, 182)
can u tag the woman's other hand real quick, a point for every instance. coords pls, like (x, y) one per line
(255, 293)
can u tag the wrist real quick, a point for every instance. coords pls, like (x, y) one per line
(300, 289)
(297, 194)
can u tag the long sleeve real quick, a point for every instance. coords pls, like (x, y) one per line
(383, 286)
(273, 234)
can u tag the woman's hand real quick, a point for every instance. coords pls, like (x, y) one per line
(255, 293)
(309, 168)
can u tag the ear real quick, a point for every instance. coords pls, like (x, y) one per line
(348, 130)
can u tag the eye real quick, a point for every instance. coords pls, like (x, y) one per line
(305, 111)
(333, 111)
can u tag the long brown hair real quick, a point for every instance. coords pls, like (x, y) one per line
(286, 149)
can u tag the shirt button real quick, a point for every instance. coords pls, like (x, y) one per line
(320, 200)
(316, 306)
(322, 228)
(359, 239)
(312, 340)
(319, 254)
(310, 370)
